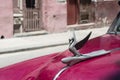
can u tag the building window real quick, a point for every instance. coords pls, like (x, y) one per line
(85, 2)
(30, 3)
(85, 11)
(84, 17)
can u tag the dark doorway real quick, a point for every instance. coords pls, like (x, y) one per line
(72, 12)
(32, 15)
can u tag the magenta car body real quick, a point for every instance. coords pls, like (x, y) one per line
(103, 63)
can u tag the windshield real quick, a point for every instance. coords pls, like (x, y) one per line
(115, 27)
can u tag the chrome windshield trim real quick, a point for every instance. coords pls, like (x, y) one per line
(113, 32)
(114, 25)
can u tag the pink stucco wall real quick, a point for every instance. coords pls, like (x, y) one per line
(54, 15)
(107, 9)
(6, 18)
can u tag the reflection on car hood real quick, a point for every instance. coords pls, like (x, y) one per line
(30, 70)
(46, 67)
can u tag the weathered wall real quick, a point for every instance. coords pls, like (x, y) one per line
(6, 18)
(54, 15)
(106, 11)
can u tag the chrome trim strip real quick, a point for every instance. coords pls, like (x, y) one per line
(60, 72)
(76, 59)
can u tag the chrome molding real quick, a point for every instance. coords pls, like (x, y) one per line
(76, 59)
(60, 72)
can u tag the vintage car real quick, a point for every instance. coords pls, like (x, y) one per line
(94, 59)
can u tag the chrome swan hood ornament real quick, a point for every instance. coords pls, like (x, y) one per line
(74, 45)
(78, 57)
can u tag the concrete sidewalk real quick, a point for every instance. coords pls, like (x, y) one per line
(16, 50)
(42, 41)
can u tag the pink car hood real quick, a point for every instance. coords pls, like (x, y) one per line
(46, 67)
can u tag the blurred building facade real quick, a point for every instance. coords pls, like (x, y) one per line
(94, 13)
(54, 15)
(6, 19)
(37, 15)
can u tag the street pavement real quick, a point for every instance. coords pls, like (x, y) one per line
(23, 48)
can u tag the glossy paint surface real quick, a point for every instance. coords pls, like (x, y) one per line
(100, 68)
(46, 67)
(35, 68)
